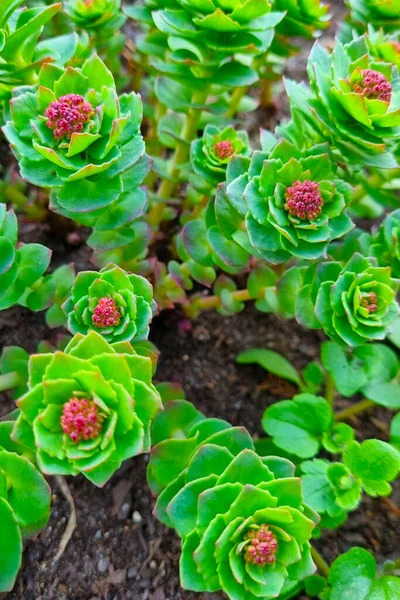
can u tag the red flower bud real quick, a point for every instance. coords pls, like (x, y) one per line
(224, 149)
(106, 314)
(81, 419)
(68, 115)
(303, 200)
(262, 547)
(374, 86)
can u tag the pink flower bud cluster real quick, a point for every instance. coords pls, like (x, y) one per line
(68, 115)
(106, 314)
(370, 302)
(224, 149)
(262, 548)
(81, 419)
(303, 200)
(373, 86)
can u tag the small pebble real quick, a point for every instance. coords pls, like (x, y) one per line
(103, 564)
(137, 517)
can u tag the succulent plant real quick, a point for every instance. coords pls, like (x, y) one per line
(302, 19)
(354, 303)
(205, 38)
(244, 526)
(210, 154)
(24, 511)
(383, 14)
(385, 47)
(20, 266)
(282, 203)
(102, 17)
(21, 52)
(116, 305)
(355, 102)
(74, 135)
(88, 408)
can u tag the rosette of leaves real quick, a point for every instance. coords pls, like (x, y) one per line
(355, 102)
(73, 134)
(20, 265)
(302, 19)
(244, 526)
(354, 303)
(385, 47)
(383, 14)
(116, 305)
(283, 203)
(101, 17)
(210, 154)
(87, 408)
(21, 52)
(386, 243)
(204, 39)
(24, 511)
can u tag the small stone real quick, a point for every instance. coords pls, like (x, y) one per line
(153, 564)
(103, 565)
(137, 517)
(124, 511)
(132, 572)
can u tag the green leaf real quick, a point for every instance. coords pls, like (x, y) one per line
(385, 394)
(10, 547)
(347, 374)
(351, 575)
(375, 463)
(270, 361)
(297, 425)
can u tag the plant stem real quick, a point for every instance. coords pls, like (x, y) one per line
(180, 156)
(9, 381)
(210, 302)
(322, 565)
(235, 101)
(355, 409)
(330, 389)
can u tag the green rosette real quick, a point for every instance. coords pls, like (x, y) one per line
(102, 17)
(73, 134)
(210, 155)
(305, 19)
(385, 246)
(116, 305)
(384, 14)
(290, 203)
(206, 39)
(244, 526)
(354, 303)
(22, 52)
(88, 408)
(21, 266)
(355, 102)
(24, 511)
(385, 47)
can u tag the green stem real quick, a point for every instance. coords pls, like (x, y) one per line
(235, 101)
(355, 409)
(9, 381)
(180, 156)
(330, 389)
(322, 565)
(211, 302)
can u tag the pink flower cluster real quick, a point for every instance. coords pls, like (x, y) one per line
(370, 302)
(303, 200)
(224, 149)
(68, 115)
(263, 546)
(106, 314)
(374, 86)
(81, 419)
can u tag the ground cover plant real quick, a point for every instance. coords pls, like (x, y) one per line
(166, 178)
